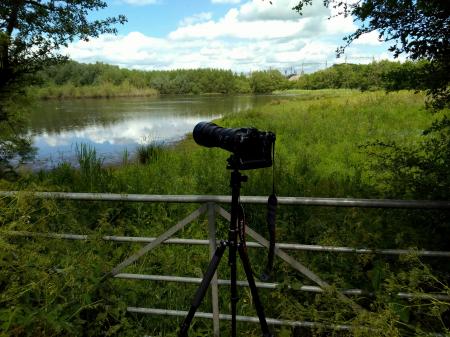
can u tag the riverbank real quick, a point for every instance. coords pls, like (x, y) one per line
(105, 90)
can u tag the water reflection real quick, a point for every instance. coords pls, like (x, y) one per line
(111, 140)
(113, 125)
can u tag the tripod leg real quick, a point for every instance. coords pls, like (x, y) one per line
(251, 282)
(233, 287)
(201, 291)
(236, 179)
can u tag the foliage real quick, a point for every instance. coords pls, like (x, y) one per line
(32, 32)
(75, 80)
(416, 171)
(77, 76)
(49, 288)
(419, 29)
(419, 316)
(104, 90)
(376, 75)
(15, 147)
(265, 82)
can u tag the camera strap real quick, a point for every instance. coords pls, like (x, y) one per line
(272, 204)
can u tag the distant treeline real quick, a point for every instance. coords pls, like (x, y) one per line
(376, 75)
(73, 79)
(181, 81)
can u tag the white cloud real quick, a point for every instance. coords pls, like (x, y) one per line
(312, 51)
(371, 39)
(279, 10)
(140, 52)
(230, 27)
(134, 50)
(260, 20)
(251, 36)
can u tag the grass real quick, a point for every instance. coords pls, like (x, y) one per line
(148, 153)
(104, 90)
(317, 140)
(318, 153)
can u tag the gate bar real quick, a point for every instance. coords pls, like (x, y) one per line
(267, 285)
(250, 319)
(305, 201)
(287, 246)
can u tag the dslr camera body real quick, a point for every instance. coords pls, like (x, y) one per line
(250, 148)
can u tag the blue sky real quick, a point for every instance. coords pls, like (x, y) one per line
(159, 18)
(242, 35)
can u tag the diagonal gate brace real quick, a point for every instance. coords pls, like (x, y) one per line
(163, 237)
(293, 262)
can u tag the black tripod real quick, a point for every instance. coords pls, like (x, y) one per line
(233, 246)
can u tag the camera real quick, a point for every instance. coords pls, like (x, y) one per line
(251, 148)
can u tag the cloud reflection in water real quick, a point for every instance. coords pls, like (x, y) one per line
(110, 141)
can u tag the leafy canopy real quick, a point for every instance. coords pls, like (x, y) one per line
(33, 31)
(420, 29)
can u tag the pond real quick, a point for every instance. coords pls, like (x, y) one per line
(113, 126)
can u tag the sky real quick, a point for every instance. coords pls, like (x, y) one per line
(241, 35)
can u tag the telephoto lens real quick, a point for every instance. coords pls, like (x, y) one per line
(211, 135)
(251, 148)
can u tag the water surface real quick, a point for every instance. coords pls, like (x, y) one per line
(112, 126)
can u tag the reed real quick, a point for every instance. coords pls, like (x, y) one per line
(148, 153)
(104, 90)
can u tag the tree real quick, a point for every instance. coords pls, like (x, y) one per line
(265, 82)
(420, 29)
(32, 33)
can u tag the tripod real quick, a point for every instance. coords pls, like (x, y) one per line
(233, 246)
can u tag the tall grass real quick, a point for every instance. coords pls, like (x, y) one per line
(148, 153)
(104, 90)
(92, 174)
(318, 149)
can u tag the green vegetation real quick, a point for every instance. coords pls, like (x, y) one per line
(148, 153)
(72, 79)
(332, 143)
(376, 75)
(31, 36)
(196, 81)
(265, 82)
(414, 29)
(104, 90)
(53, 287)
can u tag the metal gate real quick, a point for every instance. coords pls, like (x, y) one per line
(210, 206)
